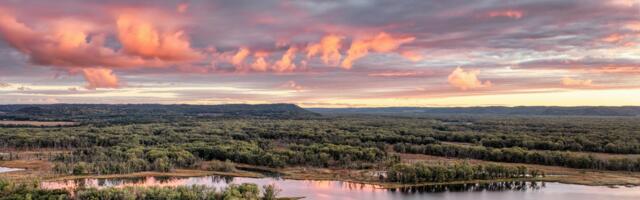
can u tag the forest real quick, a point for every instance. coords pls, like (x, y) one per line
(184, 137)
(422, 173)
(29, 191)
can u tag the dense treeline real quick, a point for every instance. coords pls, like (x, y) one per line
(123, 160)
(575, 144)
(519, 155)
(608, 135)
(421, 173)
(244, 191)
(490, 110)
(110, 160)
(28, 191)
(346, 142)
(323, 155)
(147, 113)
(14, 191)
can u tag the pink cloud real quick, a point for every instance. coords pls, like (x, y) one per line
(260, 64)
(62, 43)
(623, 3)
(587, 65)
(634, 26)
(286, 63)
(412, 56)
(265, 20)
(329, 47)
(100, 78)
(238, 59)
(74, 44)
(613, 38)
(382, 42)
(616, 69)
(139, 36)
(571, 82)
(401, 74)
(467, 79)
(182, 8)
(515, 14)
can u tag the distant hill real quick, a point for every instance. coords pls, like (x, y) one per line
(149, 112)
(493, 110)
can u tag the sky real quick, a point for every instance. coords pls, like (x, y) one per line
(322, 53)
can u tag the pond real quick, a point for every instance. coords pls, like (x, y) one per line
(345, 190)
(6, 169)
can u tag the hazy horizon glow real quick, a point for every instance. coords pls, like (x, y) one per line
(352, 53)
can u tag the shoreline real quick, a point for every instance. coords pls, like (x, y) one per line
(39, 170)
(378, 185)
(186, 173)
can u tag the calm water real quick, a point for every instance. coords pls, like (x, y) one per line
(344, 190)
(5, 169)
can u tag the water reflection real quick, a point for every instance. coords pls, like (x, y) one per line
(473, 187)
(6, 169)
(347, 190)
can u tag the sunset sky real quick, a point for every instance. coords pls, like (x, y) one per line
(322, 53)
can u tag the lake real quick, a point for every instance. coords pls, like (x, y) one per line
(346, 190)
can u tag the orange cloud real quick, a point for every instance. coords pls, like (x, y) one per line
(260, 64)
(238, 59)
(613, 38)
(100, 78)
(140, 37)
(383, 42)
(412, 56)
(570, 82)
(329, 46)
(634, 26)
(515, 14)
(285, 64)
(465, 80)
(73, 44)
(63, 43)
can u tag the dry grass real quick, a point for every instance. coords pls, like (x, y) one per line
(40, 154)
(175, 173)
(41, 170)
(34, 170)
